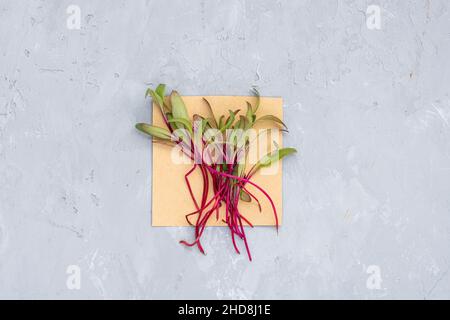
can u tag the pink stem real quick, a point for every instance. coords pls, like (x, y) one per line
(253, 184)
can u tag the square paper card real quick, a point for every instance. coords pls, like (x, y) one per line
(171, 200)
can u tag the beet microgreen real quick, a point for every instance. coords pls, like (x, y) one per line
(222, 161)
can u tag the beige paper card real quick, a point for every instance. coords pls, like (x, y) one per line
(170, 196)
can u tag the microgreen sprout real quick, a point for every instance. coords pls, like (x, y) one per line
(229, 180)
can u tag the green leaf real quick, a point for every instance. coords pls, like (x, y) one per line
(238, 124)
(258, 99)
(153, 131)
(245, 196)
(230, 120)
(148, 92)
(213, 120)
(273, 119)
(221, 122)
(244, 123)
(167, 108)
(156, 98)
(204, 123)
(249, 113)
(178, 107)
(173, 124)
(273, 157)
(169, 116)
(160, 90)
(186, 123)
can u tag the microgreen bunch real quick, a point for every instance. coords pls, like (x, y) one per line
(229, 180)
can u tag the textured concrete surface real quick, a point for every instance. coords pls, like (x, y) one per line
(367, 205)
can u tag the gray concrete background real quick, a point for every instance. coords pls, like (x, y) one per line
(369, 111)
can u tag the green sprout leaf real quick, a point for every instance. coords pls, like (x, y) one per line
(258, 99)
(221, 122)
(156, 132)
(203, 125)
(244, 123)
(245, 196)
(212, 120)
(156, 98)
(178, 107)
(249, 113)
(272, 119)
(186, 123)
(273, 157)
(229, 121)
(160, 90)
